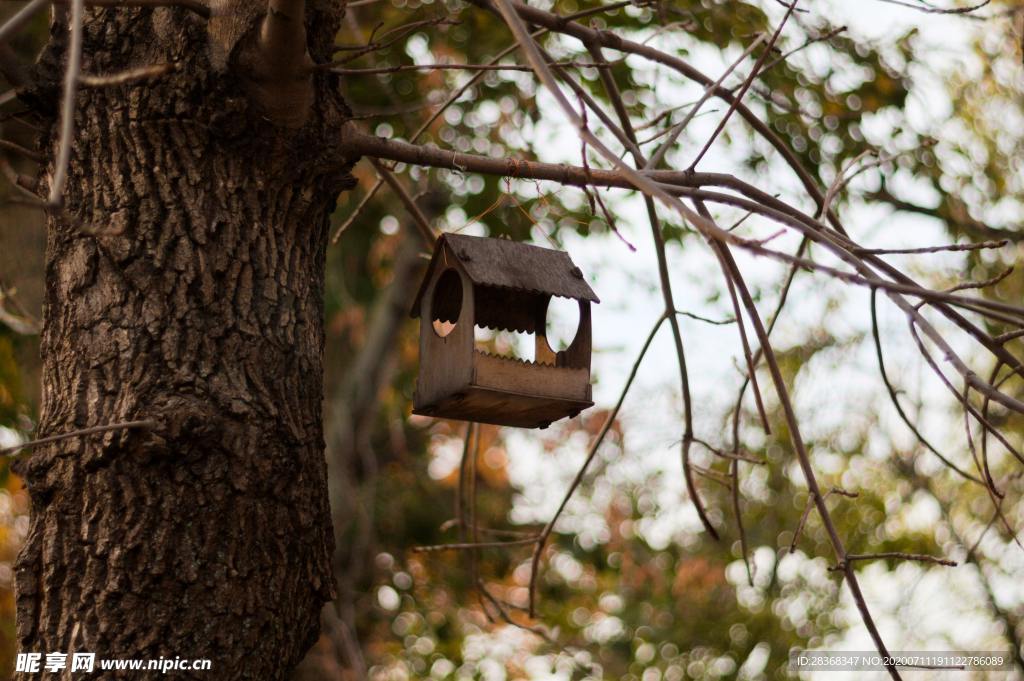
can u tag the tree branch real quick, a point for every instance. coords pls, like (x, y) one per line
(586, 35)
(282, 81)
(808, 472)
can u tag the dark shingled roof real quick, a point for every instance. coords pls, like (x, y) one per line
(504, 263)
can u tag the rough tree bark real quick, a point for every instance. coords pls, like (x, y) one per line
(184, 283)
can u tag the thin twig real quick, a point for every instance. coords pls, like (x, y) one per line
(612, 90)
(982, 245)
(422, 224)
(706, 320)
(807, 43)
(807, 512)
(401, 32)
(591, 453)
(746, 86)
(676, 130)
(984, 433)
(967, 405)
(1009, 336)
(436, 548)
(975, 285)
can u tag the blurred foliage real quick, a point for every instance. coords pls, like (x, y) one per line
(615, 603)
(620, 607)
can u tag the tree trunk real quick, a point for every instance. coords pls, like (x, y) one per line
(184, 284)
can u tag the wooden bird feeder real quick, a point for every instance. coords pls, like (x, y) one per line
(504, 285)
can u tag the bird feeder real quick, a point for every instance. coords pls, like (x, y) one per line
(502, 285)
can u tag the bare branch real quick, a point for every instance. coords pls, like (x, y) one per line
(457, 67)
(731, 285)
(127, 425)
(931, 9)
(587, 35)
(21, 151)
(893, 397)
(763, 204)
(125, 77)
(1009, 336)
(968, 384)
(454, 97)
(24, 15)
(67, 109)
(628, 132)
(808, 472)
(897, 555)
(984, 433)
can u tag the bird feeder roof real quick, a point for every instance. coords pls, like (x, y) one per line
(503, 263)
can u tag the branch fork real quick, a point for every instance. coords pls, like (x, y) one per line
(280, 70)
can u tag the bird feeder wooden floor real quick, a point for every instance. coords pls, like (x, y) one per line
(503, 285)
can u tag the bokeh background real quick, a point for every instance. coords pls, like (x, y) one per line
(632, 588)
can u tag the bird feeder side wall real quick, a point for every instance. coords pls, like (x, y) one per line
(446, 364)
(577, 355)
